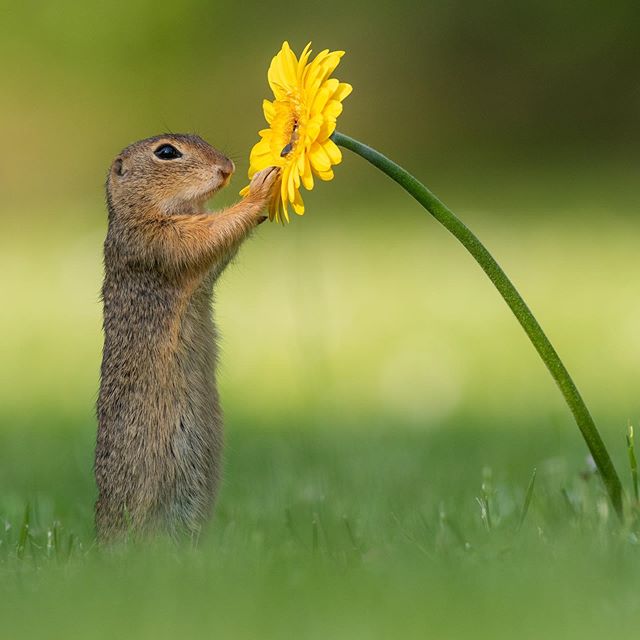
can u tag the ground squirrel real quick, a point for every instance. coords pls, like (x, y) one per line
(159, 421)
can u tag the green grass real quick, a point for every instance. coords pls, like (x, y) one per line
(368, 532)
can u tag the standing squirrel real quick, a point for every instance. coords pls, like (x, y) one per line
(159, 438)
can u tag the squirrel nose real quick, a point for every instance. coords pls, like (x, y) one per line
(226, 168)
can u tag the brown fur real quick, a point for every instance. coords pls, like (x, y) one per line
(159, 421)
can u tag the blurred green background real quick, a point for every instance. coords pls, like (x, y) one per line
(361, 329)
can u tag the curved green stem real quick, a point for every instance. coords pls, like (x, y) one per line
(511, 296)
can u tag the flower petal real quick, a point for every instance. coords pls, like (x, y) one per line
(313, 128)
(298, 204)
(290, 65)
(291, 186)
(276, 80)
(260, 157)
(319, 158)
(325, 175)
(325, 92)
(314, 73)
(282, 72)
(332, 150)
(342, 91)
(330, 64)
(307, 175)
(333, 109)
(284, 194)
(284, 212)
(269, 111)
(302, 63)
(327, 129)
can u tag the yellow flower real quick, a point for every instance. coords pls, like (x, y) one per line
(301, 119)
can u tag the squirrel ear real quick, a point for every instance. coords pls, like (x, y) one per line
(118, 168)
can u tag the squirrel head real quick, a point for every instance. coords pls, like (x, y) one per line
(171, 173)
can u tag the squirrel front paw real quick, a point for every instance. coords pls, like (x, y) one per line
(263, 183)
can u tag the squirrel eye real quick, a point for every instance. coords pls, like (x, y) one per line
(167, 152)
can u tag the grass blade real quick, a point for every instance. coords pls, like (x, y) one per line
(527, 499)
(633, 463)
(24, 533)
